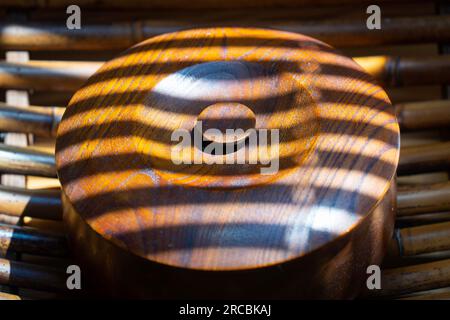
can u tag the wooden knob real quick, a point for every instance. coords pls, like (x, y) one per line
(231, 120)
(178, 229)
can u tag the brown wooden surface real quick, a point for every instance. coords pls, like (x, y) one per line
(334, 122)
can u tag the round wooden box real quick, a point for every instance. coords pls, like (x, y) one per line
(146, 220)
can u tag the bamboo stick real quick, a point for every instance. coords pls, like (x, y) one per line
(33, 294)
(7, 296)
(420, 138)
(421, 219)
(46, 75)
(432, 157)
(18, 202)
(403, 280)
(11, 220)
(26, 161)
(439, 294)
(394, 260)
(421, 199)
(51, 261)
(259, 13)
(31, 276)
(55, 36)
(53, 226)
(49, 97)
(422, 178)
(180, 4)
(70, 75)
(404, 71)
(41, 121)
(33, 241)
(421, 239)
(423, 115)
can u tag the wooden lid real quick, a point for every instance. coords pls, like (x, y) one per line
(338, 148)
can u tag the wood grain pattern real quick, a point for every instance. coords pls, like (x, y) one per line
(338, 155)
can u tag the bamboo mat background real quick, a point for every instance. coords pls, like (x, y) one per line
(50, 267)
